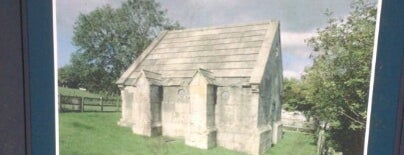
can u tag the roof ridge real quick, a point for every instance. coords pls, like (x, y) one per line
(225, 26)
(271, 37)
(216, 51)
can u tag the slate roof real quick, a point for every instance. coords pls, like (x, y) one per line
(152, 77)
(235, 51)
(209, 77)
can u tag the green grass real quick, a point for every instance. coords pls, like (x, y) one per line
(295, 143)
(98, 134)
(111, 103)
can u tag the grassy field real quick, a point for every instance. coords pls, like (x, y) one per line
(76, 92)
(98, 134)
(82, 93)
(295, 143)
(91, 101)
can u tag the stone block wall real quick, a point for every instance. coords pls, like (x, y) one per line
(201, 126)
(243, 118)
(175, 111)
(234, 117)
(231, 116)
(127, 95)
(270, 91)
(141, 114)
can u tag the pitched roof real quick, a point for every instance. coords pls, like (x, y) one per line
(210, 79)
(230, 51)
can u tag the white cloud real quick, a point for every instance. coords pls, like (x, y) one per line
(291, 74)
(294, 43)
(296, 38)
(297, 22)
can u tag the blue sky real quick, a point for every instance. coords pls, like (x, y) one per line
(299, 20)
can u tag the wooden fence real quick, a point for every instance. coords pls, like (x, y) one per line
(88, 104)
(298, 125)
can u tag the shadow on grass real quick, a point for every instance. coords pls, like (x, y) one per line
(82, 126)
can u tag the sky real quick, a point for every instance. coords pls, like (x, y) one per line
(299, 20)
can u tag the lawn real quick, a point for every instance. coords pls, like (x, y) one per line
(98, 134)
(90, 100)
(295, 143)
(76, 92)
(82, 93)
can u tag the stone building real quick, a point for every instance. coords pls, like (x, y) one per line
(215, 86)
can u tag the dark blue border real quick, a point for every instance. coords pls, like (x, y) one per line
(41, 76)
(386, 107)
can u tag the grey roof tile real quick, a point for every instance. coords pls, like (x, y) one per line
(227, 52)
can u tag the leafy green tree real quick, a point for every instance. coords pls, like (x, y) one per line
(338, 82)
(294, 96)
(108, 41)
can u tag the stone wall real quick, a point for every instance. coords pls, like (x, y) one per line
(141, 114)
(227, 95)
(175, 111)
(270, 92)
(201, 126)
(127, 96)
(234, 117)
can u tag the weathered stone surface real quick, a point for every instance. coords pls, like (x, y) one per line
(127, 103)
(277, 132)
(146, 106)
(175, 111)
(217, 86)
(201, 126)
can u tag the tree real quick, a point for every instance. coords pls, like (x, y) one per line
(108, 41)
(294, 96)
(338, 81)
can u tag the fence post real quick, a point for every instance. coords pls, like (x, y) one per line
(117, 105)
(71, 104)
(102, 108)
(82, 104)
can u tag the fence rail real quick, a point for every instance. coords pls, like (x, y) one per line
(88, 104)
(298, 129)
